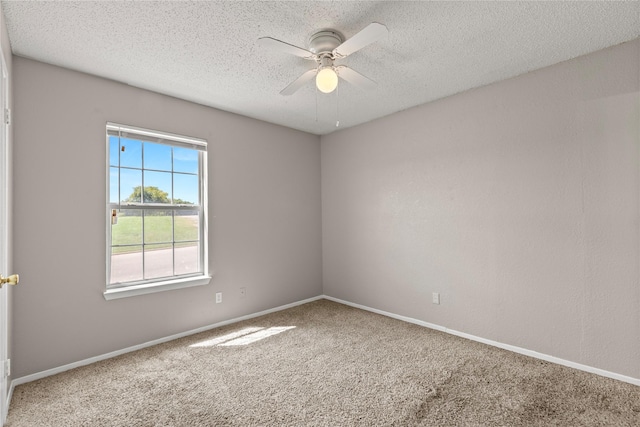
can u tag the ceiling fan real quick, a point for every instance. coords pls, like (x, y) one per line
(325, 47)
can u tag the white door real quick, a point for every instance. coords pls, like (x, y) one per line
(4, 225)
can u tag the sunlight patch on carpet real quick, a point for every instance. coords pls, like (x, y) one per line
(215, 341)
(243, 337)
(257, 336)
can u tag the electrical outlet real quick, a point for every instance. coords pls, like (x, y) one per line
(243, 292)
(218, 297)
(435, 298)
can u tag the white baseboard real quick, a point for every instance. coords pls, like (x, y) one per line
(6, 408)
(524, 351)
(54, 371)
(520, 350)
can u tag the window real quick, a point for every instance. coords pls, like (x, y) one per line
(156, 211)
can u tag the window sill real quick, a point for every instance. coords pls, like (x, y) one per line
(132, 291)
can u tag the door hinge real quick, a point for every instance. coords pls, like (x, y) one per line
(7, 116)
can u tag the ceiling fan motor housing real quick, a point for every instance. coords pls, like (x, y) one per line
(324, 41)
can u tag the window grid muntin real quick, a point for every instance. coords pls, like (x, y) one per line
(144, 245)
(198, 208)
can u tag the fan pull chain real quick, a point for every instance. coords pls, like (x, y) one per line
(316, 103)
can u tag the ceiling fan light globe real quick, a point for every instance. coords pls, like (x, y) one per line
(326, 80)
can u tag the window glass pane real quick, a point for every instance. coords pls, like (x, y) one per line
(158, 261)
(185, 160)
(128, 230)
(126, 266)
(130, 153)
(158, 242)
(185, 189)
(130, 184)
(187, 225)
(158, 226)
(113, 185)
(187, 258)
(157, 187)
(113, 150)
(157, 156)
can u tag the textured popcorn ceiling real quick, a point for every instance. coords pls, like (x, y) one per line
(206, 52)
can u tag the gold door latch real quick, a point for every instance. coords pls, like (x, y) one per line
(12, 280)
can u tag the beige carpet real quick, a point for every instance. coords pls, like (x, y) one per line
(338, 366)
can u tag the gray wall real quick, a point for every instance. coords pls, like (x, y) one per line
(517, 202)
(264, 217)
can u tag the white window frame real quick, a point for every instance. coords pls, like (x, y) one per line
(128, 289)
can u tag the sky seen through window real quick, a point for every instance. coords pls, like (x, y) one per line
(173, 170)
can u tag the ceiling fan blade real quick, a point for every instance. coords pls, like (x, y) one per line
(370, 33)
(355, 78)
(275, 44)
(298, 83)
